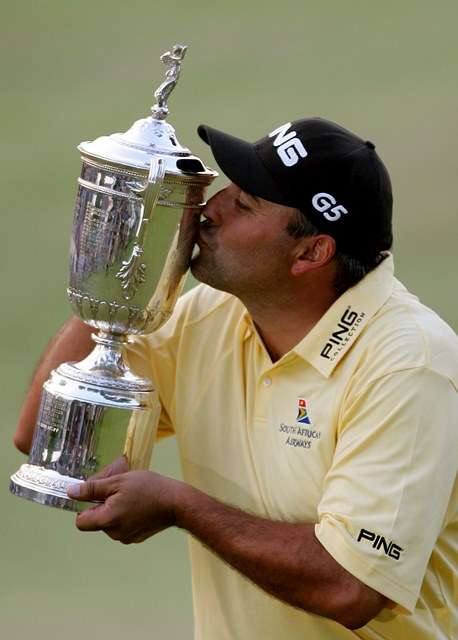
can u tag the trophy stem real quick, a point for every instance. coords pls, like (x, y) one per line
(106, 359)
(106, 365)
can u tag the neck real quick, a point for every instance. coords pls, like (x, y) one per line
(284, 320)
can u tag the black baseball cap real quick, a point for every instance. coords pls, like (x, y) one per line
(332, 175)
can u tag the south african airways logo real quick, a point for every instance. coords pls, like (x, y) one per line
(300, 435)
(302, 415)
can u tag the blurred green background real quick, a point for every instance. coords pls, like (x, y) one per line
(72, 71)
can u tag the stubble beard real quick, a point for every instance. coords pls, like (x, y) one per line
(208, 272)
(232, 278)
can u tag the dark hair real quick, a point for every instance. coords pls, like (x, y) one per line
(350, 269)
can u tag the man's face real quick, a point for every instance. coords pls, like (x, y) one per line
(245, 248)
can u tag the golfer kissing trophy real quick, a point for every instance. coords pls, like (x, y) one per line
(137, 212)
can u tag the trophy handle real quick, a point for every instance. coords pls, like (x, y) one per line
(151, 193)
(133, 271)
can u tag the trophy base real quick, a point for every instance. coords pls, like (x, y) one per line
(91, 413)
(45, 486)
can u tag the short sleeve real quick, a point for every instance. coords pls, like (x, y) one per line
(386, 495)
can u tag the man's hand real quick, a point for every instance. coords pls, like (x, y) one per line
(283, 558)
(137, 504)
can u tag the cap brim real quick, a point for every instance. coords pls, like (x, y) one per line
(239, 161)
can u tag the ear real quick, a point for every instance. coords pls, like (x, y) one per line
(312, 253)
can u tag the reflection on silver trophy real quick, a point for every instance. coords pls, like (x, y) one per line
(137, 209)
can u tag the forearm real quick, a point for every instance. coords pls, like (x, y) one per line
(71, 343)
(284, 559)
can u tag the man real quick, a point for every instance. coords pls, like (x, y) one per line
(315, 404)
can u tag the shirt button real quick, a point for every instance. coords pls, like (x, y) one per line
(267, 381)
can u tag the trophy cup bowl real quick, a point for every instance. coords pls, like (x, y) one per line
(137, 211)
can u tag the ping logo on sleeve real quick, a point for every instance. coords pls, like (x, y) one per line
(380, 543)
(288, 145)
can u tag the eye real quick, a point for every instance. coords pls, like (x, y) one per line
(241, 205)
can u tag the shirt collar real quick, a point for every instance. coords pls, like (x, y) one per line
(338, 330)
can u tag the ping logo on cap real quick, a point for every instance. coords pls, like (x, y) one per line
(323, 202)
(289, 147)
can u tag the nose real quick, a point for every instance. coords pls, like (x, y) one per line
(217, 206)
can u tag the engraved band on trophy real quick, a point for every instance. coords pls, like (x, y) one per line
(138, 206)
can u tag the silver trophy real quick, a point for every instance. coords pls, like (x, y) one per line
(137, 210)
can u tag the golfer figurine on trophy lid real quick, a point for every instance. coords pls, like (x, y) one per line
(137, 210)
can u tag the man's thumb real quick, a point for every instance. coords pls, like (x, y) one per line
(91, 491)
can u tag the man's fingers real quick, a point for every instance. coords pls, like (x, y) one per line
(94, 519)
(92, 490)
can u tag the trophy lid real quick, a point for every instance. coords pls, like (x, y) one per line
(151, 136)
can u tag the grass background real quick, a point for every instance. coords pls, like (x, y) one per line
(72, 71)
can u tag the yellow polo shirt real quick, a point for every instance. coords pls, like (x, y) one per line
(355, 429)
